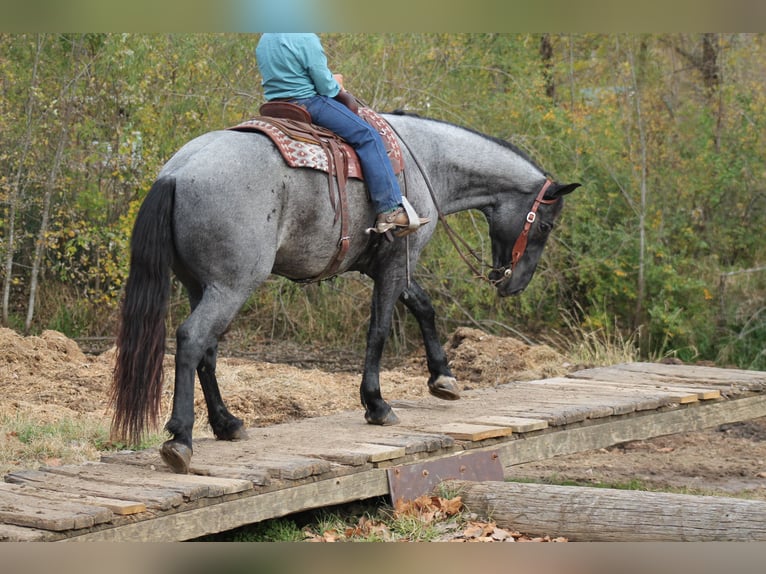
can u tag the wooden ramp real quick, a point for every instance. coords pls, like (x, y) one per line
(318, 462)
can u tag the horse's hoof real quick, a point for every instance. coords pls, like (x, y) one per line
(239, 434)
(444, 387)
(388, 420)
(234, 432)
(177, 456)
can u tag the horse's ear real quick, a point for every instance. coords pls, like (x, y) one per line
(557, 190)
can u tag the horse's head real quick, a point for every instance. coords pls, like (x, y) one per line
(519, 229)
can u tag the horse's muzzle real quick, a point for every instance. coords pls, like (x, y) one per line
(502, 279)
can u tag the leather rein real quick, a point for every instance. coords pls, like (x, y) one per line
(519, 247)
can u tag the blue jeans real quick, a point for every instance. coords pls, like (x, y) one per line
(366, 141)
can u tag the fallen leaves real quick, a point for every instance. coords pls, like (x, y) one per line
(365, 529)
(429, 508)
(442, 515)
(490, 532)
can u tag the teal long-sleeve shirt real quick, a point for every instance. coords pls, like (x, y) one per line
(294, 66)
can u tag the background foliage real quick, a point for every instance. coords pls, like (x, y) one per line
(662, 247)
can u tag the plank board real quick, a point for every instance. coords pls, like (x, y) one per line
(619, 430)
(381, 452)
(418, 443)
(12, 533)
(191, 487)
(615, 392)
(473, 432)
(730, 380)
(20, 506)
(156, 498)
(518, 425)
(655, 385)
(37, 479)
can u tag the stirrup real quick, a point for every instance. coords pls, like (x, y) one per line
(414, 222)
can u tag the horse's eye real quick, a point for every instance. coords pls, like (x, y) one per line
(545, 227)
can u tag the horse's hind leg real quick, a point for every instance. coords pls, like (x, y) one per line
(442, 382)
(224, 424)
(195, 337)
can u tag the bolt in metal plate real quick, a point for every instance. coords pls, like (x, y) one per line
(408, 482)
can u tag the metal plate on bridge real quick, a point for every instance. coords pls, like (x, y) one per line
(408, 482)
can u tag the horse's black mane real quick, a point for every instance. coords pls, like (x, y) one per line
(504, 143)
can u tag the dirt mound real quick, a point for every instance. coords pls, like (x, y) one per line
(50, 373)
(50, 350)
(485, 359)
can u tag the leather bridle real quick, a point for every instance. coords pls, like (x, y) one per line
(521, 241)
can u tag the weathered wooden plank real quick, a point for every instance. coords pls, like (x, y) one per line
(472, 432)
(658, 387)
(157, 498)
(37, 479)
(259, 461)
(381, 452)
(354, 454)
(567, 404)
(255, 476)
(626, 393)
(696, 373)
(344, 456)
(647, 373)
(518, 425)
(554, 414)
(22, 506)
(289, 467)
(148, 458)
(127, 476)
(637, 427)
(418, 442)
(247, 510)
(12, 533)
(611, 515)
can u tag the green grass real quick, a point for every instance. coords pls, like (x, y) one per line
(554, 479)
(372, 520)
(634, 484)
(29, 443)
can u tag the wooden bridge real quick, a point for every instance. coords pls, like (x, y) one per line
(318, 462)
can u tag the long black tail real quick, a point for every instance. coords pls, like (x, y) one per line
(137, 382)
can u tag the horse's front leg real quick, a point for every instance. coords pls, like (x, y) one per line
(384, 295)
(442, 382)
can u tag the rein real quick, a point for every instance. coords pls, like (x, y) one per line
(521, 242)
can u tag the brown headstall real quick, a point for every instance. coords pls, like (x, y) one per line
(521, 241)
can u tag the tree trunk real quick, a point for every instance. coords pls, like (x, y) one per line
(44, 224)
(66, 97)
(546, 55)
(610, 515)
(16, 189)
(639, 319)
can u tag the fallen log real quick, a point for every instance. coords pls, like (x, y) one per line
(611, 515)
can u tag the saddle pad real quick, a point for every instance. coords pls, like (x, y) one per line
(304, 153)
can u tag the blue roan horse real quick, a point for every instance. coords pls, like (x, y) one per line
(226, 212)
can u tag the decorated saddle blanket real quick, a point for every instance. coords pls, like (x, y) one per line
(309, 145)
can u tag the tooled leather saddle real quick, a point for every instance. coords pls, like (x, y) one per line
(304, 144)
